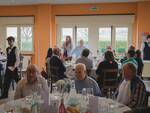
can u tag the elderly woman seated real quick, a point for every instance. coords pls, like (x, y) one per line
(33, 82)
(84, 81)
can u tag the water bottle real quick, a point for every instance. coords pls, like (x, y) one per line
(73, 90)
(109, 93)
(35, 104)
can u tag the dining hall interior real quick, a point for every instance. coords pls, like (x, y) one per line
(74, 56)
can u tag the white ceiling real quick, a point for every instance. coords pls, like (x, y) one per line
(25, 2)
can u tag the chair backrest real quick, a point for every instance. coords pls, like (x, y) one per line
(110, 79)
(54, 73)
(147, 98)
(53, 77)
(141, 110)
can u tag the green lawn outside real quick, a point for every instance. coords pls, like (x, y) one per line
(26, 46)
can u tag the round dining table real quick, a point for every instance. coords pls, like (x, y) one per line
(95, 105)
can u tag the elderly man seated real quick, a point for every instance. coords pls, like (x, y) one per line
(83, 81)
(132, 91)
(33, 82)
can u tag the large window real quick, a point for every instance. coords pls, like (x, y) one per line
(76, 33)
(121, 42)
(103, 31)
(116, 37)
(66, 32)
(23, 36)
(12, 31)
(82, 34)
(104, 38)
(26, 38)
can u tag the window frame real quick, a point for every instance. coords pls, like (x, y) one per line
(19, 36)
(93, 26)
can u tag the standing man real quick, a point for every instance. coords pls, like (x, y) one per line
(146, 48)
(11, 67)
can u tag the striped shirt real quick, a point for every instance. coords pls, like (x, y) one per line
(138, 94)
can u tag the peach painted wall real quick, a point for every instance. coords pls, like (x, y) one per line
(42, 33)
(17, 10)
(104, 8)
(143, 19)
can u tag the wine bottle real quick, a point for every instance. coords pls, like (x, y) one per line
(62, 106)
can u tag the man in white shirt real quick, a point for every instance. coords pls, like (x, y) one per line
(11, 66)
(132, 91)
(78, 50)
(33, 82)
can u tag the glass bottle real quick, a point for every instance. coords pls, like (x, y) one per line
(73, 90)
(61, 107)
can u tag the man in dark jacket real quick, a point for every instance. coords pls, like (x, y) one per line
(57, 62)
(146, 49)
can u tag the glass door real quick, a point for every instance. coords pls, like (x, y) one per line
(82, 34)
(12, 31)
(121, 39)
(77, 33)
(62, 32)
(105, 38)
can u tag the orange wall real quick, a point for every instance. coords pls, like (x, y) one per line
(143, 19)
(104, 8)
(42, 33)
(17, 10)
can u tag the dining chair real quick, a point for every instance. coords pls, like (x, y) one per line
(141, 110)
(110, 80)
(53, 77)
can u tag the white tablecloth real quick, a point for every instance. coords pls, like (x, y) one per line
(95, 105)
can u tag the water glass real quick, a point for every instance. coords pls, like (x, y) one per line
(84, 95)
(55, 91)
(103, 108)
(89, 91)
(111, 108)
(84, 91)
